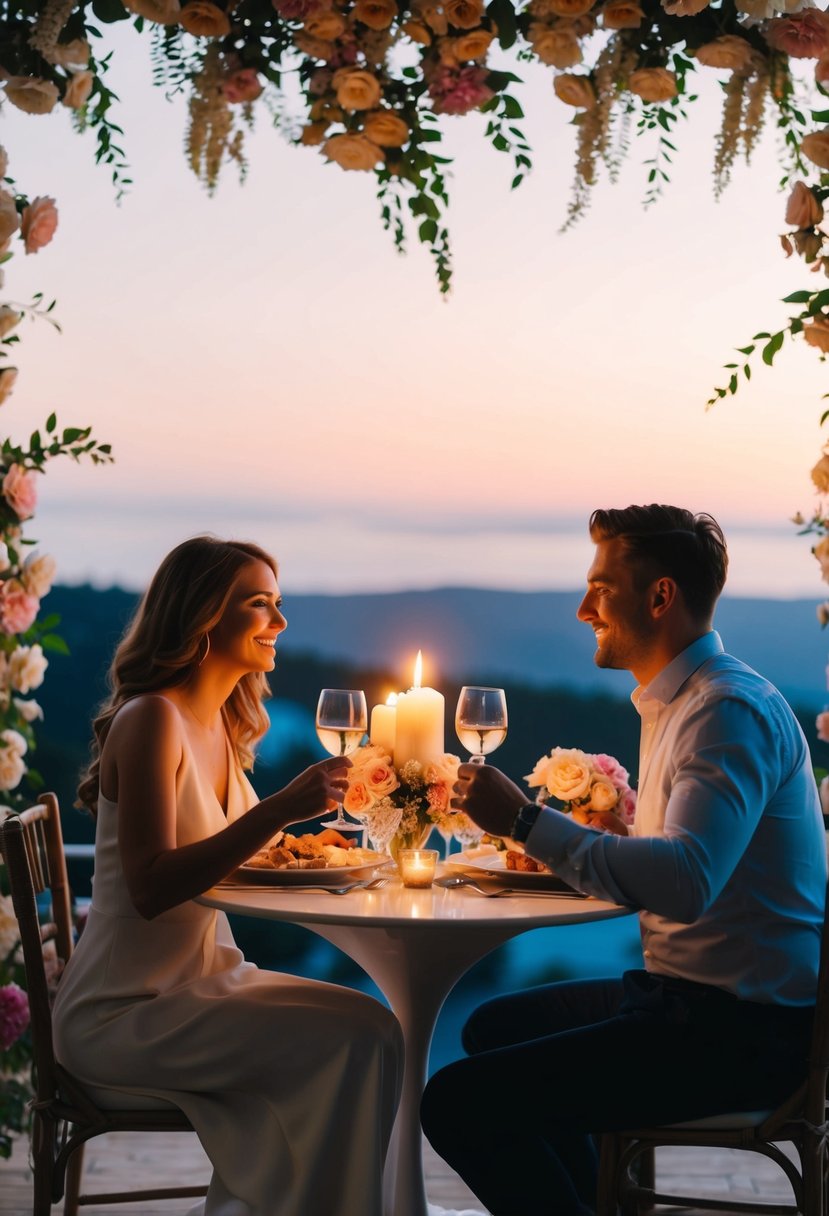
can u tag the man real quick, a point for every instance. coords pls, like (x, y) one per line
(726, 865)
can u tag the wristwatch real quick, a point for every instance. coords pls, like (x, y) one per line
(524, 822)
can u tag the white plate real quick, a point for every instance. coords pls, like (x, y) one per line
(495, 864)
(328, 876)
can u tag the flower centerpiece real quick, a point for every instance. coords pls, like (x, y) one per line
(594, 788)
(399, 806)
(15, 1046)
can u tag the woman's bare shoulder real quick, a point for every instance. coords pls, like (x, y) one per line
(149, 712)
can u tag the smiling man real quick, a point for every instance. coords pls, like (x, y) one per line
(726, 865)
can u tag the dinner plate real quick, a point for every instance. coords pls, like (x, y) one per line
(329, 876)
(495, 865)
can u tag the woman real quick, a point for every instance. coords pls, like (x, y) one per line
(290, 1083)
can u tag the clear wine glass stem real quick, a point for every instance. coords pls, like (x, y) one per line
(477, 759)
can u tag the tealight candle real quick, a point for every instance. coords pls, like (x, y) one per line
(384, 725)
(417, 866)
(419, 728)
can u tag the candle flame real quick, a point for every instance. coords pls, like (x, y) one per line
(391, 699)
(418, 670)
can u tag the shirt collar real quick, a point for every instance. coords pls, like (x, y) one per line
(664, 686)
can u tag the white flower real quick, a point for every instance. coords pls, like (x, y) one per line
(27, 668)
(38, 574)
(9, 934)
(12, 751)
(29, 711)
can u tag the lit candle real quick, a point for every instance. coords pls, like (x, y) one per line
(383, 725)
(419, 722)
(417, 866)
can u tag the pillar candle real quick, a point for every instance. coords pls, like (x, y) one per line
(384, 725)
(419, 730)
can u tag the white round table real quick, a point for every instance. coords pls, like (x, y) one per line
(415, 945)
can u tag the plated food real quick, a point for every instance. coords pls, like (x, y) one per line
(313, 859)
(496, 864)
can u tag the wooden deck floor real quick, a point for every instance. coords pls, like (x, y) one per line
(118, 1162)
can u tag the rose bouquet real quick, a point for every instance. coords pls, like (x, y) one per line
(399, 807)
(594, 789)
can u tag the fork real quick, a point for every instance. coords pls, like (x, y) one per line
(451, 881)
(372, 885)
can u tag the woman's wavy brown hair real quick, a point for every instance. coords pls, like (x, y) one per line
(165, 640)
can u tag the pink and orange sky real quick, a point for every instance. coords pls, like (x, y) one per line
(266, 365)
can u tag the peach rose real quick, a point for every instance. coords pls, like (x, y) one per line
(555, 45)
(418, 32)
(603, 794)
(241, 86)
(380, 779)
(431, 12)
(821, 552)
(568, 774)
(803, 210)
(8, 379)
(653, 84)
(356, 89)
(357, 798)
(20, 491)
(473, 45)
(38, 223)
(38, 575)
(729, 52)
(29, 711)
(327, 26)
(12, 767)
(74, 54)
(353, 152)
(815, 147)
(569, 8)
(816, 334)
(820, 474)
(27, 668)
(684, 8)
(621, 15)
(823, 614)
(204, 20)
(78, 89)
(162, 12)
(822, 726)
(376, 14)
(464, 14)
(801, 36)
(312, 135)
(18, 609)
(9, 318)
(386, 129)
(9, 216)
(575, 91)
(32, 94)
(316, 48)
(327, 110)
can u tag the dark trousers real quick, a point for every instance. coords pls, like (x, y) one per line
(549, 1067)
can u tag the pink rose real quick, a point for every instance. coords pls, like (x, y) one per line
(437, 795)
(626, 808)
(822, 726)
(802, 35)
(380, 778)
(18, 609)
(38, 223)
(459, 91)
(610, 767)
(241, 86)
(14, 1015)
(20, 491)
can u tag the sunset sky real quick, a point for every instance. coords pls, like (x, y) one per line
(267, 366)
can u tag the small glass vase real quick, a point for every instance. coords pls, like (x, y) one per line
(409, 840)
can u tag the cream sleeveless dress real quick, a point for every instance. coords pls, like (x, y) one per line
(291, 1084)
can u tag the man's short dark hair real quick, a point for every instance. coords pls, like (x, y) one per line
(671, 541)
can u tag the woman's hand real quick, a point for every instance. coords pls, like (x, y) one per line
(488, 797)
(315, 791)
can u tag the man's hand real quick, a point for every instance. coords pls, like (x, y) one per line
(488, 797)
(604, 821)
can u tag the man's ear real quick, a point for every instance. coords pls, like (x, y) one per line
(663, 596)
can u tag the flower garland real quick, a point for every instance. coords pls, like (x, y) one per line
(399, 806)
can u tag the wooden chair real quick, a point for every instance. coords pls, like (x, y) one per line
(800, 1121)
(64, 1116)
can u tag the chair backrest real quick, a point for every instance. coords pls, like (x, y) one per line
(31, 844)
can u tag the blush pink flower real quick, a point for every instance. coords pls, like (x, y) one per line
(437, 795)
(241, 86)
(610, 767)
(801, 36)
(822, 726)
(38, 223)
(14, 1015)
(626, 807)
(459, 90)
(18, 609)
(20, 491)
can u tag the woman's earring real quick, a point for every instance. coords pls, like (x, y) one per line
(206, 649)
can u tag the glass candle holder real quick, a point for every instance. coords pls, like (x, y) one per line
(417, 866)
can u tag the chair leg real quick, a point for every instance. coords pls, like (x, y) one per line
(74, 1172)
(606, 1198)
(43, 1157)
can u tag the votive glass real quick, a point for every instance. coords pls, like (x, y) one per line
(417, 867)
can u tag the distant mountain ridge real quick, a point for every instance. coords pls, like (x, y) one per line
(480, 635)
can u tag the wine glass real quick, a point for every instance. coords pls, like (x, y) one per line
(342, 720)
(481, 720)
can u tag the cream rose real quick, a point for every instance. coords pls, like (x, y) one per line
(162, 12)
(204, 20)
(5, 564)
(376, 14)
(386, 129)
(12, 767)
(820, 474)
(27, 667)
(575, 90)
(8, 379)
(29, 711)
(816, 334)
(803, 210)
(38, 574)
(568, 774)
(653, 84)
(327, 26)
(78, 89)
(380, 779)
(729, 52)
(4, 162)
(555, 45)
(815, 147)
(353, 152)
(38, 223)
(9, 318)
(603, 794)
(621, 15)
(357, 798)
(464, 14)
(442, 771)
(9, 932)
(473, 45)
(356, 89)
(9, 216)
(32, 94)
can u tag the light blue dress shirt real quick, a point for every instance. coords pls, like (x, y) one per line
(727, 860)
